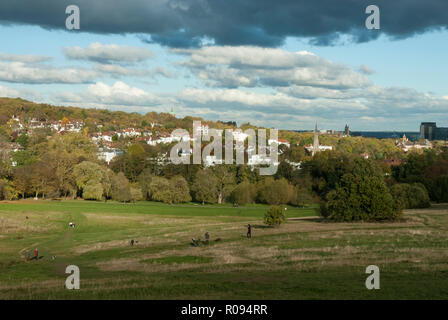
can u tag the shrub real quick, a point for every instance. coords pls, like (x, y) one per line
(274, 216)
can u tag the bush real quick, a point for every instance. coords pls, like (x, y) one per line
(274, 216)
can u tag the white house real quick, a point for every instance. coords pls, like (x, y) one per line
(108, 154)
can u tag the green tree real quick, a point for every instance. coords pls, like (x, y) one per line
(274, 216)
(441, 189)
(361, 196)
(410, 195)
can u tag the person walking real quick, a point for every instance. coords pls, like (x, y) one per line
(249, 231)
(207, 237)
(36, 254)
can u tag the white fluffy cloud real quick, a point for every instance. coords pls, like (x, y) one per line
(104, 94)
(108, 53)
(20, 72)
(118, 70)
(27, 58)
(269, 87)
(233, 67)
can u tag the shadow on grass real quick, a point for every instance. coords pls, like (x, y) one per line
(262, 226)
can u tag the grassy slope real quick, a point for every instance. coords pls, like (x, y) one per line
(303, 259)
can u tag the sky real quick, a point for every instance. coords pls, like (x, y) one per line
(283, 64)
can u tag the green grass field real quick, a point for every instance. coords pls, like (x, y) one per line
(305, 258)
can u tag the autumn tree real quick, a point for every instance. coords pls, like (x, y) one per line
(275, 192)
(92, 180)
(180, 192)
(42, 180)
(160, 190)
(205, 187)
(120, 188)
(22, 180)
(144, 180)
(244, 193)
(225, 181)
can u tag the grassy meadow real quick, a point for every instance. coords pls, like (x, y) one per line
(305, 258)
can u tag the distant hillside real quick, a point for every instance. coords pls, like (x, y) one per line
(110, 120)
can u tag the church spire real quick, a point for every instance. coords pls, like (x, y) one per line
(316, 141)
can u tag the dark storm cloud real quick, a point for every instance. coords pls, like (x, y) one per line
(183, 23)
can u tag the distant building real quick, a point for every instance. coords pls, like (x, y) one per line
(107, 154)
(347, 131)
(279, 142)
(316, 147)
(430, 131)
(406, 145)
(316, 141)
